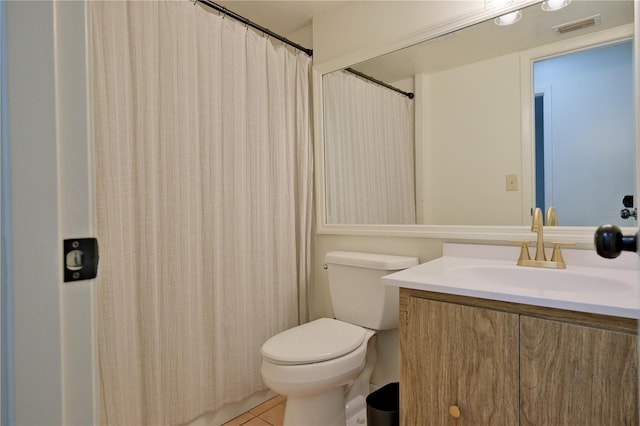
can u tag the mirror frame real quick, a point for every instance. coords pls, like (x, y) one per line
(582, 235)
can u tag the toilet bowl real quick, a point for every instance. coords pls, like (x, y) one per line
(330, 355)
(324, 366)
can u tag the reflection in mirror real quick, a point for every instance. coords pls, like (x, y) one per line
(584, 133)
(369, 162)
(472, 137)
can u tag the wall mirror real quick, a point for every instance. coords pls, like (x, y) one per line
(461, 159)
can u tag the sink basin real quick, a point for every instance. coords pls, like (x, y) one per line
(590, 283)
(518, 277)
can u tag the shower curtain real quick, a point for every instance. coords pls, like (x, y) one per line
(369, 152)
(203, 185)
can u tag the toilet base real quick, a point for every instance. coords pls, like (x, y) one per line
(323, 409)
(356, 411)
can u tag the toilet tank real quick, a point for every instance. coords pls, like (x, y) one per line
(357, 295)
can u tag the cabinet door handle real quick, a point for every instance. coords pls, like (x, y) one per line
(454, 410)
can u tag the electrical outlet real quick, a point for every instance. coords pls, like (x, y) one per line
(512, 182)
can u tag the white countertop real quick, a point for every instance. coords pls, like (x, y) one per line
(589, 284)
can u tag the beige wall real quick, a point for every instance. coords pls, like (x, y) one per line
(472, 142)
(349, 31)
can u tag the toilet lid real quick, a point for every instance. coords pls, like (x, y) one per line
(316, 341)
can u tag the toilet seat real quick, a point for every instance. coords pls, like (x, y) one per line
(317, 341)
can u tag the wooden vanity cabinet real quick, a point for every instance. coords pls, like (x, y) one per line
(467, 361)
(576, 375)
(458, 360)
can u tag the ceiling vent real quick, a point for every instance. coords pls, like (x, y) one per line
(591, 21)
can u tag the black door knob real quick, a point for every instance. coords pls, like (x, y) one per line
(610, 242)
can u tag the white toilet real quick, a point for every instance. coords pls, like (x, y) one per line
(325, 365)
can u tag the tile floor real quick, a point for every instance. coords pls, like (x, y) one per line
(269, 413)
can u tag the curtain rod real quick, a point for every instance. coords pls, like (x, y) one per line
(381, 83)
(309, 52)
(252, 24)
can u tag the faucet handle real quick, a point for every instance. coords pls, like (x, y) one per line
(551, 218)
(524, 250)
(556, 255)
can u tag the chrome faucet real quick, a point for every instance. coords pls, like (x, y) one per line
(540, 259)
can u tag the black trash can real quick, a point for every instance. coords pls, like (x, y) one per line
(383, 406)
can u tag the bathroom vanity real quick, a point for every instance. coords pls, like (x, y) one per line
(487, 362)
(482, 353)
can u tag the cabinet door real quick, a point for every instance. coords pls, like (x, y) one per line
(576, 375)
(458, 356)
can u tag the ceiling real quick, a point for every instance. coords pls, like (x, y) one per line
(281, 17)
(487, 40)
(288, 17)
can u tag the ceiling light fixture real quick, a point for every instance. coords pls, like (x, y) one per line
(551, 5)
(509, 18)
